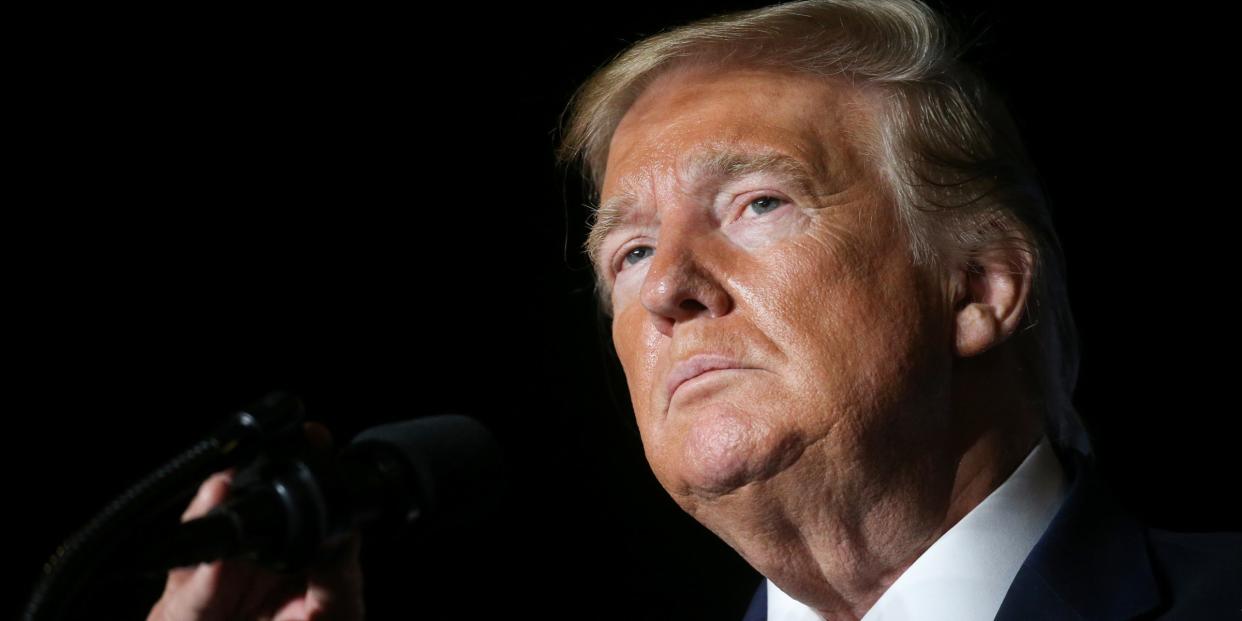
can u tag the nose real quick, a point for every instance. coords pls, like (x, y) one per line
(680, 285)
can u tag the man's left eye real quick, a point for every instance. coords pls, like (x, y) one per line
(765, 204)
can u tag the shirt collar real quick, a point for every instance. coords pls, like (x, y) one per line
(965, 574)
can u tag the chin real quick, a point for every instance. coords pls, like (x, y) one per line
(722, 451)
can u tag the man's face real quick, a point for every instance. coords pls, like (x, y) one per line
(756, 236)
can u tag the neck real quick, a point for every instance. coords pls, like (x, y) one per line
(838, 555)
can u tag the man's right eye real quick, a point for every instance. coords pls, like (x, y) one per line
(634, 255)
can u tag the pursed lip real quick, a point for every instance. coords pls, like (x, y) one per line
(695, 366)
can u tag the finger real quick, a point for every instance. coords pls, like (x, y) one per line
(208, 593)
(319, 444)
(318, 436)
(334, 586)
(287, 602)
(211, 493)
(266, 591)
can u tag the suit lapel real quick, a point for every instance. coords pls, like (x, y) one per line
(758, 609)
(1091, 563)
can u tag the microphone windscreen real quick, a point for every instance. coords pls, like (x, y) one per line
(455, 460)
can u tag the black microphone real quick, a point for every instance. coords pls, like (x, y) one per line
(289, 506)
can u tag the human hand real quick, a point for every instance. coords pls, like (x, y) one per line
(237, 589)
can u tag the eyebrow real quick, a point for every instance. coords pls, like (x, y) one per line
(714, 163)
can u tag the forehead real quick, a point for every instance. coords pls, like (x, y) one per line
(689, 112)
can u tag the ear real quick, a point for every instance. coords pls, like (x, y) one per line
(989, 297)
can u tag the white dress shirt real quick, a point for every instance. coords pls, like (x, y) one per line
(965, 574)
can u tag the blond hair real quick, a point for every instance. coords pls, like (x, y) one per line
(945, 144)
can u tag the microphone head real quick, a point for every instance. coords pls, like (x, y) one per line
(452, 466)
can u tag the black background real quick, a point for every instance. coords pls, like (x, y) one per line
(363, 208)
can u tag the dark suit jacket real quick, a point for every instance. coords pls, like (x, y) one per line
(1098, 562)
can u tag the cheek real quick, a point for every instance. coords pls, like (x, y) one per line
(627, 285)
(637, 343)
(848, 322)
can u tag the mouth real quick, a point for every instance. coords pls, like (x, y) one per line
(694, 367)
(694, 380)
